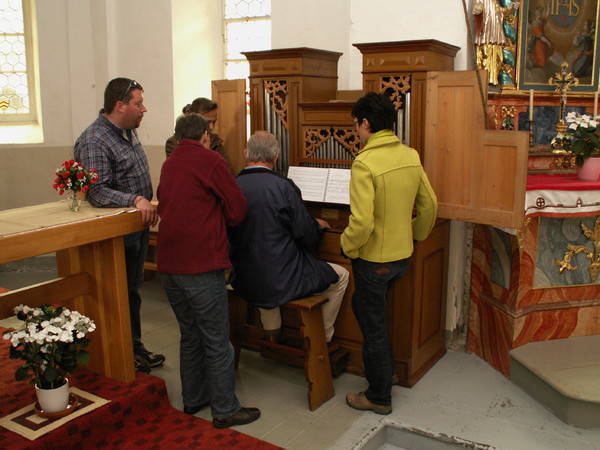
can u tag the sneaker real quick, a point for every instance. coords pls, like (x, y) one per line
(242, 417)
(360, 401)
(153, 359)
(141, 365)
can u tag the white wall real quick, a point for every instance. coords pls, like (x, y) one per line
(197, 27)
(337, 24)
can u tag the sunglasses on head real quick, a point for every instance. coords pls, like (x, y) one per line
(132, 85)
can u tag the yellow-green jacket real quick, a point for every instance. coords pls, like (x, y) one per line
(387, 182)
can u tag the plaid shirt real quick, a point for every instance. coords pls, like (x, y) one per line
(120, 161)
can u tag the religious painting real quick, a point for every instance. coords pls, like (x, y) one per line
(557, 31)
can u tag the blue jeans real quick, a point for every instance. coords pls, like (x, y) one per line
(206, 357)
(369, 303)
(136, 245)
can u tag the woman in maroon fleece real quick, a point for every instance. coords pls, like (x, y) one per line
(198, 200)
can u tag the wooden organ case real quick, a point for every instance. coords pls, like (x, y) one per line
(293, 95)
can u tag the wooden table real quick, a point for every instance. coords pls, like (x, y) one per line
(91, 272)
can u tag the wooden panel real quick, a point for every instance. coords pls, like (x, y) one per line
(504, 174)
(46, 239)
(407, 56)
(257, 105)
(293, 61)
(59, 290)
(416, 304)
(478, 175)
(111, 351)
(230, 95)
(417, 308)
(418, 96)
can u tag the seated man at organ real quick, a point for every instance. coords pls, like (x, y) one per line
(270, 248)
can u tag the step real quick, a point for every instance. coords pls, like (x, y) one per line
(563, 375)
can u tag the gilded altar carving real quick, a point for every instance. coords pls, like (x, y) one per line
(593, 256)
(564, 162)
(277, 90)
(495, 37)
(508, 114)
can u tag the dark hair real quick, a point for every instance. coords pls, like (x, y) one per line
(199, 106)
(119, 89)
(190, 126)
(378, 109)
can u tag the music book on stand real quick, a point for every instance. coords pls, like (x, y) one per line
(325, 185)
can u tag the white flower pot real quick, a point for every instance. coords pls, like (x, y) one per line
(590, 171)
(52, 400)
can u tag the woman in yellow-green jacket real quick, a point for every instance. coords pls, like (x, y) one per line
(387, 184)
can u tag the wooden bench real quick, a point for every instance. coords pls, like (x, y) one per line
(313, 352)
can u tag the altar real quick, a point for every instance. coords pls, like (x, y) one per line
(539, 282)
(91, 268)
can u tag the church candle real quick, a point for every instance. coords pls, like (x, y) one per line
(595, 103)
(530, 104)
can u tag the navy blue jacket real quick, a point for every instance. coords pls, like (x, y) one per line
(269, 249)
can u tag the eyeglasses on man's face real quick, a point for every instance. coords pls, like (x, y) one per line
(132, 85)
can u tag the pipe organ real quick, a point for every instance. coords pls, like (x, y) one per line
(294, 96)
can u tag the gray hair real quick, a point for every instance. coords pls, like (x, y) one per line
(262, 146)
(191, 126)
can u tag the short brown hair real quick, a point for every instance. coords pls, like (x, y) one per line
(119, 89)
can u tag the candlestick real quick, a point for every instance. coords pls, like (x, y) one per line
(595, 103)
(530, 104)
(530, 127)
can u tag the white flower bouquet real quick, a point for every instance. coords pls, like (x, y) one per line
(581, 137)
(51, 342)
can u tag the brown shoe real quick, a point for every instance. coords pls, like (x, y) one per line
(358, 400)
(242, 417)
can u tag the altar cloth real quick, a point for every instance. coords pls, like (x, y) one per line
(568, 182)
(561, 195)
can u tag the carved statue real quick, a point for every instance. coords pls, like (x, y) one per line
(490, 39)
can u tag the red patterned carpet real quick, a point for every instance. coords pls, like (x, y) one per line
(138, 416)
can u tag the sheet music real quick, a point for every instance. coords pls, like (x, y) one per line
(338, 186)
(321, 184)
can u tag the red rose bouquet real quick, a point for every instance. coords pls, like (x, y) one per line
(74, 177)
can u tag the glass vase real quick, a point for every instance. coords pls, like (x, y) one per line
(74, 200)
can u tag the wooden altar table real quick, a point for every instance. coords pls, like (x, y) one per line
(91, 272)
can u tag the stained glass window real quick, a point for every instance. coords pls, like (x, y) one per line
(247, 28)
(15, 81)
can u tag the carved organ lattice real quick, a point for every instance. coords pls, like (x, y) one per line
(278, 95)
(395, 88)
(317, 143)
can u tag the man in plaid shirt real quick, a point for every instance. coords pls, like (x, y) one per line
(112, 147)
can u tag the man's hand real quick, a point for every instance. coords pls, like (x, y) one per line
(323, 224)
(148, 210)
